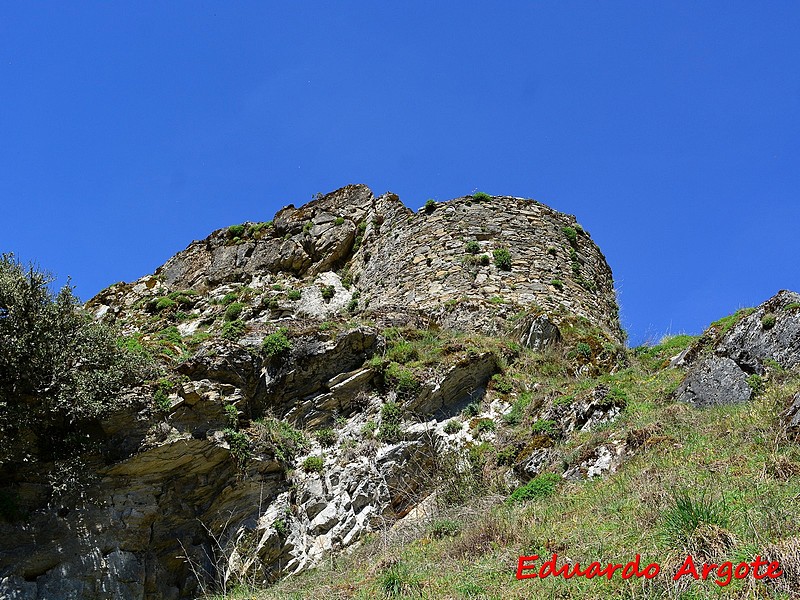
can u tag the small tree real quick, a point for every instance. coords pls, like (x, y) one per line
(58, 368)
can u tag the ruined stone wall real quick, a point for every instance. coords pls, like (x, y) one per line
(420, 260)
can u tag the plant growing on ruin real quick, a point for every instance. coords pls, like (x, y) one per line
(481, 196)
(472, 247)
(570, 234)
(502, 259)
(430, 206)
(233, 311)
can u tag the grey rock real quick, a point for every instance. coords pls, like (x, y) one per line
(537, 332)
(715, 380)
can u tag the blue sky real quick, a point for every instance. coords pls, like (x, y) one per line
(672, 130)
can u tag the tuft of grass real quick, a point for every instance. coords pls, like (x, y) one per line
(481, 196)
(313, 464)
(686, 513)
(430, 206)
(472, 247)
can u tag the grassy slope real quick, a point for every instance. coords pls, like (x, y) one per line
(735, 458)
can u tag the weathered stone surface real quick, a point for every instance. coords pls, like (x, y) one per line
(751, 341)
(537, 332)
(462, 384)
(715, 380)
(792, 415)
(719, 366)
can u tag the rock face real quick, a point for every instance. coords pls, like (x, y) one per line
(721, 362)
(281, 430)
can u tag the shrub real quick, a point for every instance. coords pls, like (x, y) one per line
(502, 259)
(165, 304)
(286, 441)
(233, 311)
(444, 528)
(583, 350)
(485, 424)
(544, 426)
(484, 259)
(231, 416)
(276, 343)
(236, 231)
(328, 292)
(502, 384)
(541, 486)
(471, 409)
(294, 294)
(313, 464)
(276, 287)
(59, 369)
(339, 221)
(402, 352)
(352, 306)
(170, 334)
(391, 418)
(756, 383)
(308, 226)
(240, 449)
(229, 297)
(480, 196)
(558, 284)
(402, 379)
(233, 330)
(326, 437)
(368, 429)
(570, 234)
(768, 321)
(452, 426)
(430, 206)
(472, 247)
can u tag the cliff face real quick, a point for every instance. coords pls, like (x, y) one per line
(312, 369)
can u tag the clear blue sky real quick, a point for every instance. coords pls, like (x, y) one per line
(671, 129)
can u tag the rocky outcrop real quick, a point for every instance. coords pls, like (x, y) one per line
(721, 362)
(247, 462)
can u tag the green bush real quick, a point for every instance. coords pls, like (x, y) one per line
(485, 424)
(502, 384)
(472, 409)
(339, 221)
(570, 234)
(308, 226)
(402, 379)
(240, 448)
(558, 284)
(59, 369)
(231, 416)
(326, 437)
(233, 311)
(481, 196)
(228, 298)
(544, 426)
(484, 259)
(328, 292)
(583, 350)
(452, 426)
(768, 321)
(233, 330)
(472, 247)
(391, 419)
(402, 352)
(541, 486)
(286, 441)
(502, 259)
(313, 464)
(430, 206)
(442, 528)
(165, 304)
(236, 231)
(276, 343)
(294, 294)
(756, 383)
